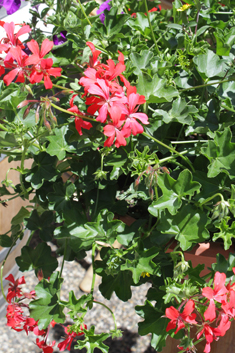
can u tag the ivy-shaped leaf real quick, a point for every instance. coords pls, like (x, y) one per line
(37, 259)
(209, 64)
(43, 169)
(155, 90)
(21, 215)
(61, 200)
(75, 305)
(112, 284)
(105, 226)
(221, 154)
(226, 232)
(173, 191)
(58, 144)
(43, 223)
(93, 341)
(143, 263)
(47, 307)
(180, 112)
(153, 323)
(141, 61)
(188, 226)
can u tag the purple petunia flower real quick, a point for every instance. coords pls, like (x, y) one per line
(11, 6)
(61, 39)
(100, 11)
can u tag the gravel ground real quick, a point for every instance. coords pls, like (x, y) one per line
(18, 342)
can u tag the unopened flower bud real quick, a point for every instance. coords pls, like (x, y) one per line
(37, 115)
(26, 112)
(221, 210)
(28, 88)
(23, 104)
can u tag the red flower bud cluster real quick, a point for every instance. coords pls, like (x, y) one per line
(20, 65)
(116, 106)
(19, 321)
(212, 316)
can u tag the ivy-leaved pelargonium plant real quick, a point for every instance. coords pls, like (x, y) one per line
(136, 106)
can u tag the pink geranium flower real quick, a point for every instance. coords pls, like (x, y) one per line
(219, 294)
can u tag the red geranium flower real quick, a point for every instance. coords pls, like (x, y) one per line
(14, 290)
(178, 319)
(66, 344)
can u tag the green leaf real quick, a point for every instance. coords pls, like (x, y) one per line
(116, 284)
(37, 259)
(11, 96)
(224, 42)
(43, 169)
(188, 226)
(76, 306)
(140, 23)
(153, 323)
(126, 236)
(5, 241)
(47, 307)
(173, 191)
(58, 144)
(21, 215)
(221, 154)
(62, 201)
(155, 90)
(141, 61)
(43, 223)
(105, 227)
(209, 64)
(226, 232)
(93, 341)
(180, 112)
(113, 22)
(143, 263)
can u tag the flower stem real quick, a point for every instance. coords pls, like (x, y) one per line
(71, 113)
(93, 268)
(84, 13)
(206, 85)
(211, 198)
(3, 127)
(25, 193)
(65, 250)
(170, 149)
(151, 28)
(115, 323)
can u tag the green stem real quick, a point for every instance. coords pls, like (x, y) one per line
(65, 250)
(93, 268)
(61, 87)
(84, 13)
(211, 198)
(70, 113)
(206, 85)
(14, 197)
(226, 107)
(115, 323)
(151, 28)
(2, 267)
(3, 127)
(170, 149)
(190, 141)
(25, 193)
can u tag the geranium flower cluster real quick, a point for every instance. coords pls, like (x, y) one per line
(18, 320)
(115, 105)
(19, 65)
(212, 317)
